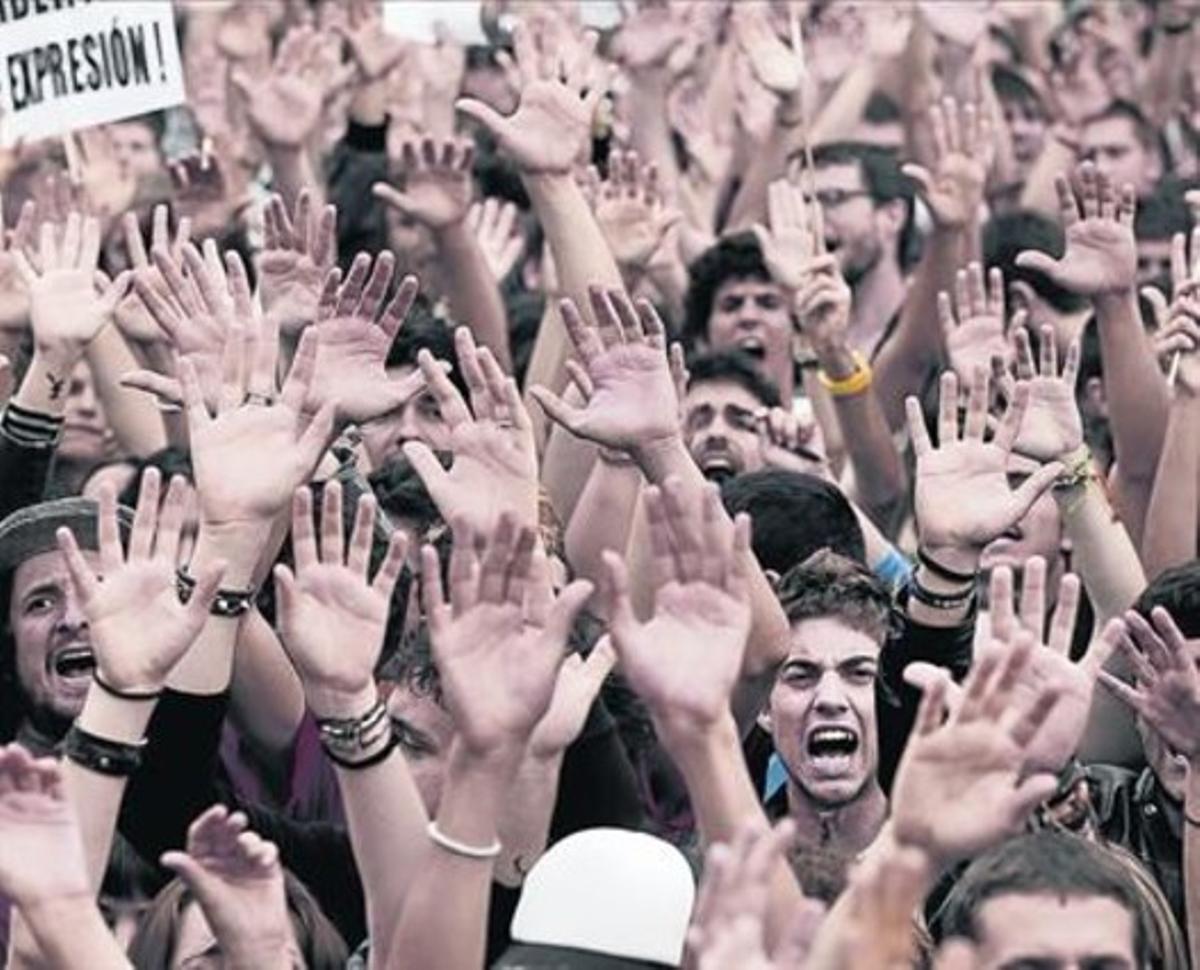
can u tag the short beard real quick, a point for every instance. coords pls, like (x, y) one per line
(826, 805)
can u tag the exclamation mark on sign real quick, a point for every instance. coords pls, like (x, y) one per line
(162, 64)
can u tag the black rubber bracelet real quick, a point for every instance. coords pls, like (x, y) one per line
(1191, 821)
(101, 755)
(125, 695)
(939, 601)
(939, 570)
(1175, 29)
(226, 602)
(368, 762)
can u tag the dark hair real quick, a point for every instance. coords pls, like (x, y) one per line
(735, 257)
(734, 367)
(881, 109)
(1011, 85)
(320, 944)
(793, 515)
(424, 331)
(827, 584)
(156, 121)
(1044, 863)
(1119, 108)
(1161, 215)
(1177, 590)
(1007, 235)
(403, 495)
(171, 461)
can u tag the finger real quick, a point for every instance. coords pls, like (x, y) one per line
(1066, 609)
(917, 432)
(1033, 595)
(948, 409)
(332, 547)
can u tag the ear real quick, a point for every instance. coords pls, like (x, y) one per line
(764, 720)
(889, 217)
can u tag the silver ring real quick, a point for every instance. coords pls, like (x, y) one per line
(264, 400)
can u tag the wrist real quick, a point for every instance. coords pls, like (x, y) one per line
(693, 741)
(835, 359)
(266, 950)
(497, 762)
(453, 234)
(60, 909)
(340, 703)
(1119, 298)
(658, 458)
(239, 544)
(951, 559)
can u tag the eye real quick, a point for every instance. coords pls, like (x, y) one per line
(38, 604)
(860, 676)
(798, 676)
(741, 419)
(699, 418)
(427, 407)
(414, 744)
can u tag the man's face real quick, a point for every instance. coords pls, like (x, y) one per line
(1112, 143)
(721, 430)
(1153, 261)
(1037, 533)
(426, 730)
(50, 632)
(752, 315)
(853, 227)
(420, 419)
(822, 711)
(136, 148)
(1168, 765)
(1019, 931)
(1027, 125)
(86, 437)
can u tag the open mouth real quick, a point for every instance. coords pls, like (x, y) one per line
(74, 662)
(753, 348)
(717, 466)
(831, 748)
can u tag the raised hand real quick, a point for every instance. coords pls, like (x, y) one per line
(236, 878)
(133, 317)
(65, 309)
(685, 660)
(963, 149)
(963, 500)
(558, 100)
(1050, 666)
(374, 50)
(495, 466)
(284, 105)
(236, 487)
(41, 850)
(355, 337)
(822, 305)
(197, 315)
(1166, 692)
(961, 786)
(502, 626)
(631, 212)
(332, 617)
(298, 253)
(727, 931)
(1101, 254)
(579, 681)
(633, 401)
(494, 225)
(974, 336)
(139, 629)
(208, 186)
(1051, 427)
(796, 235)
(777, 64)
(437, 181)
(14, 292)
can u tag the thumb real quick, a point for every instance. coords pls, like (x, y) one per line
(428, 469)
(242, 81)
(1158, 305)
(115, 291)
(556, 408)
(920, 175)
(763, 235)
(485, 114)
(1031, 793)
(392, 196)
(567, 607)
(166, 389)
(1037, 260)
(190, 871)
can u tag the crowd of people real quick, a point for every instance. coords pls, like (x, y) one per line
(717, 489)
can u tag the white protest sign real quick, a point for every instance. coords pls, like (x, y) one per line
(416, 20)
(71, 64)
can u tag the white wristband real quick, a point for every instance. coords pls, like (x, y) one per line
(461, 848)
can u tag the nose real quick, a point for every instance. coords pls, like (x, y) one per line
(72, 617)
(83, 399)
(830, 699)
(406, 424)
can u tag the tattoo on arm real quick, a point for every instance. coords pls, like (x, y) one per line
(56, 386)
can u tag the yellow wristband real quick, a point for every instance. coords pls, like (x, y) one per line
(856, 383)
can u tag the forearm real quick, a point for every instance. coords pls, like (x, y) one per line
(131, 414)
(71, 935)
(474, 296)
(723, 800)
(1169, 536)
(767, 164)
(386, 818)
(292, 171)
(1191, 862)
(266, 699)
(44, 387)
(649, 129)
(603, 517)
(524, 825)
(878, 472)
(916, 345)
(1167, 78)
(1137, 395)
(430, 932)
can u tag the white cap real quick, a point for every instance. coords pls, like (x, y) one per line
(610, 891)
